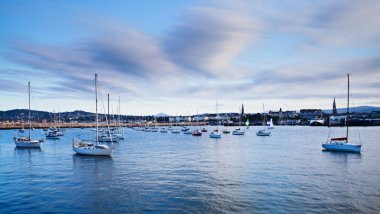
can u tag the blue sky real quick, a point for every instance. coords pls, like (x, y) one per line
(180, 56)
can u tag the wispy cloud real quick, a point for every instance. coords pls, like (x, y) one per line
(209, 39)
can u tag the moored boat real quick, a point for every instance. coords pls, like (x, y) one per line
(341, 143)
(84, 147)
(238, 131)
(197, 133)
(263, 132)
(27, 142)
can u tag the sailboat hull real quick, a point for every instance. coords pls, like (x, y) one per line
(212, 135)
(342, 147)
(263, 133)
(28, 144)
(98, 152)
(84, 148)
(238, 133)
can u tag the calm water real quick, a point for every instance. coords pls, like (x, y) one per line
(155, 172)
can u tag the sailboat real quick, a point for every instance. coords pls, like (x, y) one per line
(175, 130)
(264, 131)
(197, 132)
(239, 131)
(118, 131)
(341, 143)
(28, 142)
(186, 130)
(215, 133)
(87, 147)
(60, 131)
(106, 134)
(52, 134)
(270, 124)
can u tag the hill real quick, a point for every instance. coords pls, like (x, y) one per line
(359, 109)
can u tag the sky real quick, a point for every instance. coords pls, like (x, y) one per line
(181, 57)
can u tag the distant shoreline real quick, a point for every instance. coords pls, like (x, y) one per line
(7, 126)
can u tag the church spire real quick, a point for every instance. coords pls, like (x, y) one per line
(334, 111)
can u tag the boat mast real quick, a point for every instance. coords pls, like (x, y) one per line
(108, 114)
(30, 122)
(96, 104)
(119, 111)
(348, 103)
(217, 115)
(264, 119)
(108, 106)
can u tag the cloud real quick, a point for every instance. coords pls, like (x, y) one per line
(10, 86)
(332, 23)
(209, 39)
(203, 47)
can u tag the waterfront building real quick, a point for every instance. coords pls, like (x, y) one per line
(311, 113)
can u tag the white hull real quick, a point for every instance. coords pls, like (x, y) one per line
(342, 147)
(90, 149)
(84, 151)
(215, 135)
(263, 133)
(28, 144)
(236, 132)
(175, 131)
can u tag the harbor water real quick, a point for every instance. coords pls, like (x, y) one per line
(287, 172)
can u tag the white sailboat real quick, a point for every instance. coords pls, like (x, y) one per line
(87, 147)
(197, 132)
(263, 132)
(28, 142)
(106, 135)
(270, 124)
(118, 131)
(239, 131)
(216, 133)
(175, 129)
(52, 135)
(60, 131)
(342, 144)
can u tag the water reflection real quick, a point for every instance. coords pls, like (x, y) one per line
(94, 175)
(346, 155)
(24, 150)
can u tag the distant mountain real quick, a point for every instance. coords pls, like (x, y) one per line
(359, 109)
(22, 114)
(161, 115)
